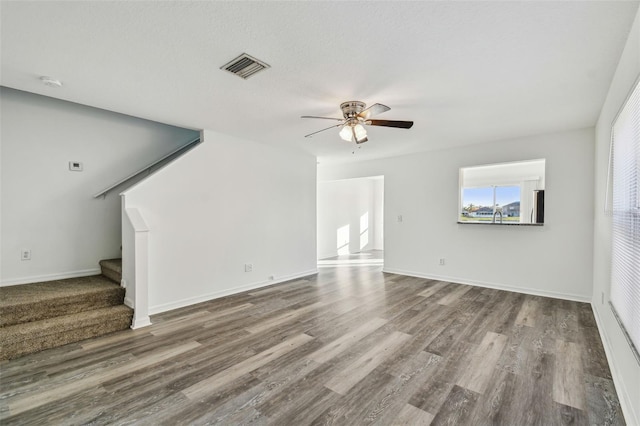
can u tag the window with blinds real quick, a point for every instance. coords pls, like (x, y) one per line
(625, 209)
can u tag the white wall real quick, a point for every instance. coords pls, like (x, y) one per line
(554, 259)
(225, 203)
(49, 209)
(625, 368)
(353, 204)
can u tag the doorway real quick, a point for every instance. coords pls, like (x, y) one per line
(350, 225)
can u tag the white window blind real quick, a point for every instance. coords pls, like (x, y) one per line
(625, 209)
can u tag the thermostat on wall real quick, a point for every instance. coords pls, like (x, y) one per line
(75, 166)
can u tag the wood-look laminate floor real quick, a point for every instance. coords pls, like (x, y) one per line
(349, 346)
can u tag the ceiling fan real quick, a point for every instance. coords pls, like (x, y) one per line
(356, 116)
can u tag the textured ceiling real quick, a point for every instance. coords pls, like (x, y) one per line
(465, 72)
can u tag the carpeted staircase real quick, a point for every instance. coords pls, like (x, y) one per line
(44, 315)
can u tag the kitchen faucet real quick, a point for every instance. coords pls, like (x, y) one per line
(498, 210)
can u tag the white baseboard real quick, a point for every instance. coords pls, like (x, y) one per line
(226, 292)
(51, 277)
(497, 286)
(128, 302)
(631, 417)
(324, 256)
(350, 262)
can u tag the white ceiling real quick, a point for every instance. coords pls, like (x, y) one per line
(465, 72)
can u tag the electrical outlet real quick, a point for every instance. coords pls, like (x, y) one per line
(248, 267)
(25, 254)
(399, 218)
(441, 261)
(272, 277)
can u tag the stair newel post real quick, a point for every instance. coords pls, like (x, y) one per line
(135, 264)
(141, 306)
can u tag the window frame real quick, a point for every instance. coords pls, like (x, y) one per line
(493, 188)
(625, 307)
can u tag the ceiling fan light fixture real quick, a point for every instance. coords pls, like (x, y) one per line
(360, 133)
(346, 133)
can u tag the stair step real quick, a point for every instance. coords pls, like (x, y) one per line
(39, 301)
(26, 338)
(112, 269)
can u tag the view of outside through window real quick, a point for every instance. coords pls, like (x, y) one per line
(478, 204)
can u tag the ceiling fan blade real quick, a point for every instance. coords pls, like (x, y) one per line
(374, 109)
(324, 118)
(332, 127)
(391, 123)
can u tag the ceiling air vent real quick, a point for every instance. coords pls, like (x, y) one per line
(244, 66)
